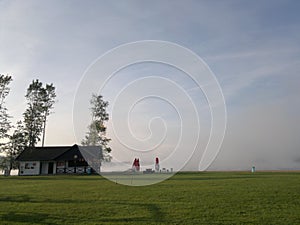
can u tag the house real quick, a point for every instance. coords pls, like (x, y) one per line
(60, 160)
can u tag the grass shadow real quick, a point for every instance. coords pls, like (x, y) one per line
(32, 218)
(28, 199)
(154, 211)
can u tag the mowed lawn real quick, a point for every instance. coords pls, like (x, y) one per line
(186, 198)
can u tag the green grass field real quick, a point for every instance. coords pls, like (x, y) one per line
(186, 198)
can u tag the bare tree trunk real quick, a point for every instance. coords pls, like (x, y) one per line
(44, 132)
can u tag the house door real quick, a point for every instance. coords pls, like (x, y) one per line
(50, 168)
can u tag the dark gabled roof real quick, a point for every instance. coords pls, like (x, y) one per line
(86, 152)
(42, 153)
(59, 153)
(69, 155)
(91, 152)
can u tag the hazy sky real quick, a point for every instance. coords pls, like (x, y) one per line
(252, 47)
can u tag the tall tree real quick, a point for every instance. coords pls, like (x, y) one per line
(48, 99)
(16, 144)
(5, 124)
(96, 134)
(40, 101)
(33, 115)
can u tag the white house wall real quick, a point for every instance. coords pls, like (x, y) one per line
(54, 168)
(44, 168)
(30, 168)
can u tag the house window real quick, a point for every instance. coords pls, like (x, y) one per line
(60, 164)
(78, 162)
(30, 166)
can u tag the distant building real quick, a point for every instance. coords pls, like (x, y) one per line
(60, 160)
